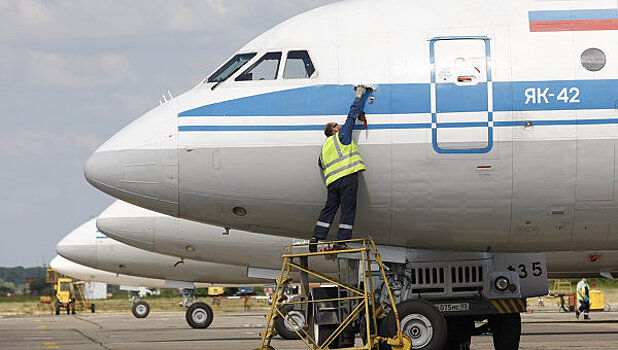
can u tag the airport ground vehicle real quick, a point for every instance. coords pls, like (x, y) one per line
(68, 294)
(438, 301)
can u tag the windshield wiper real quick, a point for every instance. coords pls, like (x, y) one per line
(217, 84)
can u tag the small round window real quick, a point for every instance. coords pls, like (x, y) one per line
(593, 59)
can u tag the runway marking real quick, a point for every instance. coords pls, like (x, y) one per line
(569, 333)
(42, 326)
(52, 347)
(38, 338)
(50, 344)
(43, 332)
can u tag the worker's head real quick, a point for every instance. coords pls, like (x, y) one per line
(584, 279)
(331, 129)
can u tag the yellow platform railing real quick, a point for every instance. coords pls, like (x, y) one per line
(363, 296)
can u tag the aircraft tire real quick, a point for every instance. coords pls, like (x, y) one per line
(320, 333)
(460, 330)
(422, 322)
(199, 315)
(141, 309)
(506, 331)
(284, 329)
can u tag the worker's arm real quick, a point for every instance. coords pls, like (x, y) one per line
(580, 290)
(345, 134)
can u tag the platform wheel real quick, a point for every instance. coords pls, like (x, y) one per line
(505, 330)
(141, 309)
(199, 315)
(287, 329)
(422, 322)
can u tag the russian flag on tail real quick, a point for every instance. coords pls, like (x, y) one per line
(573, 20)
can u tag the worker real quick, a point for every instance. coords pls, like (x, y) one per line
(340, 162)
(583, 296)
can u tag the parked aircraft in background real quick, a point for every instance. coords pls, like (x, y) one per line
(131, 284)
(86, 246)
(152, 231)
(492, 128)
(156, 232)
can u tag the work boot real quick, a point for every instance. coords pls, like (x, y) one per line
(313, 245)
(586, 317)
(577, 314)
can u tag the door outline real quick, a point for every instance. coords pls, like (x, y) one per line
(434, 103)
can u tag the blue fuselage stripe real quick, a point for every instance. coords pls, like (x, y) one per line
(334, 100)
(399, 99)
(320, 127)
(566, 15)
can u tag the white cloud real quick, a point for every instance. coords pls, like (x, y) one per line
(71, 66)
(71, 71)
(45, 143)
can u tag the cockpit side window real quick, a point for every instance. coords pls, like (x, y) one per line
(298, 65)
(231, 67)
(266, 68)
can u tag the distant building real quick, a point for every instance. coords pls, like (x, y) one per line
(28, 280)
(95, 290)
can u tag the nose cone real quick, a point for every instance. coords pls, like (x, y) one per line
(139, 164)
(128, 224)
(58, 264)
(79, 246)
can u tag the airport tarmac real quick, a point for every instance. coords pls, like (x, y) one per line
(169, 331)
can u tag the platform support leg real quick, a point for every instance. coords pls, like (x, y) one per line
(304, 276)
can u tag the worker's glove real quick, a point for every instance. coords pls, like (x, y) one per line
(360, 90)
(361, 117)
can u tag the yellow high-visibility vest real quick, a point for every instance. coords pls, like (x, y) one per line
(339, 160)
(581, 286)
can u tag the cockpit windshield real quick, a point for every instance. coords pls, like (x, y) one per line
(231, 67)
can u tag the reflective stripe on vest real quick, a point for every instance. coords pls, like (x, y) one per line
(339, 160)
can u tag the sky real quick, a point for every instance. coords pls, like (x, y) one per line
(74, 72)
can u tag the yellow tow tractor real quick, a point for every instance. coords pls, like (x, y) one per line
(68, 294)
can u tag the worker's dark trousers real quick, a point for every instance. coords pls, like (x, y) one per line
(584, 306)
(341, 192)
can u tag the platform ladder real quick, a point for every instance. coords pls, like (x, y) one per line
(359, 299)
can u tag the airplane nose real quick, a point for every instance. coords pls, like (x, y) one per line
(139, 164)
(79, 246)
(128, 224)
(136, 232)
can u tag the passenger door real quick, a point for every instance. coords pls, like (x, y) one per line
(461, 90)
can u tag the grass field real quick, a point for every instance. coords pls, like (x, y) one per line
(29, 305)
(22, 305)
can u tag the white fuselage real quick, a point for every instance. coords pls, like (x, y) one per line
(491, 129)
(88, 274)
(155, 232)
(87, 246)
